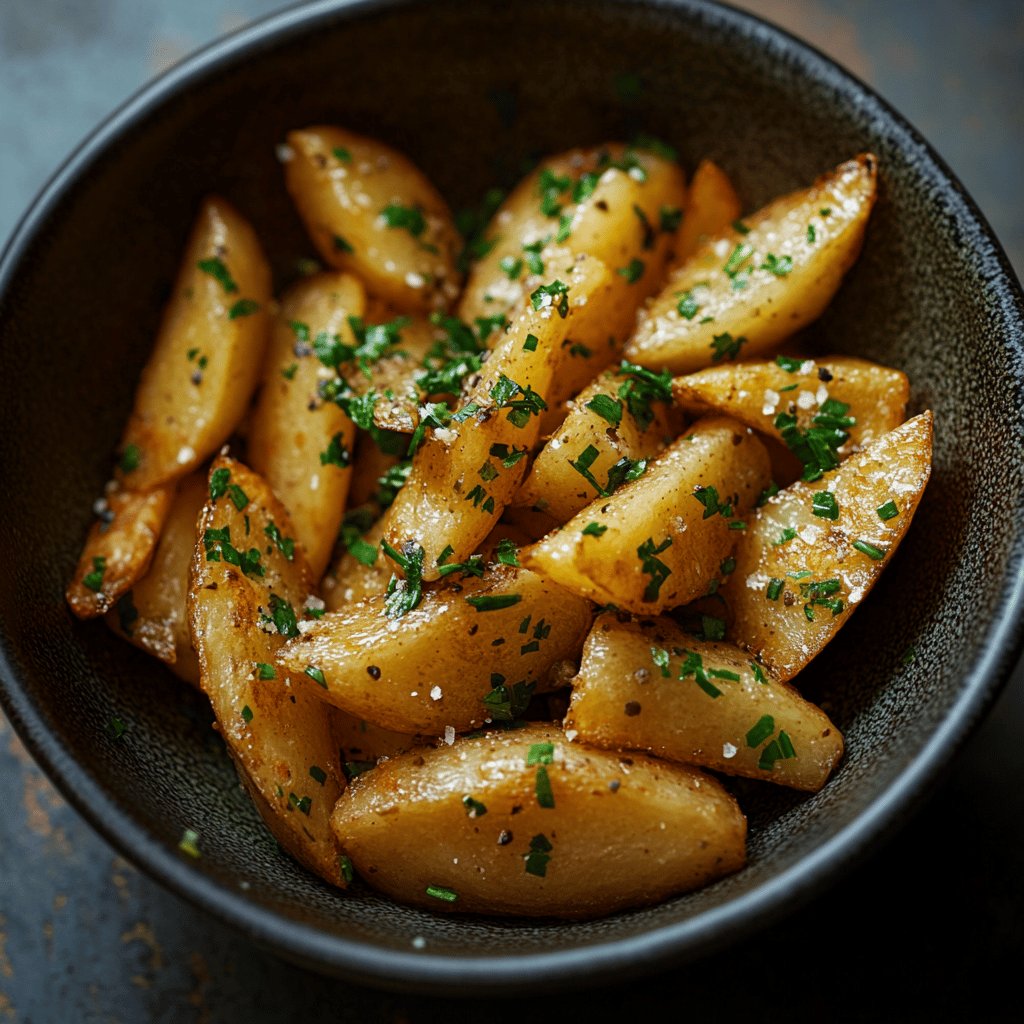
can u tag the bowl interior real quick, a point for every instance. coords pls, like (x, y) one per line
(471, 91)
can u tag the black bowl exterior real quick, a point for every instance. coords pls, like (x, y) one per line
(472, 91)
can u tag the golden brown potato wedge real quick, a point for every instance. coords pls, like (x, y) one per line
(369, 210)
(743, 293)
(524, 822)
(623, 416)
(153, 614)
(300, 443)
(657, 542)
(812, 553)
(464, 474)
(207, 356)
(473, 650)
(118, 549)
(585, 200)
(650, 686)
(248, 585)
(769, 396)
(711, 206)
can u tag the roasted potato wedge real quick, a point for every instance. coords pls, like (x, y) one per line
(536, 826)
(118, 549)
(711, 206)
(650, 686)
(657, 542)
(369, 210)
(244, 602)
(622, 417)
(811, 554)
(207, 356)
(153, 614)
(298, 442)
(743, 293)
(464, 475)
(757, 393)
(473, 649)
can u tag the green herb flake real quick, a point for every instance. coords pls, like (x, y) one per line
(874, 553)
(218, 270)
(265, 671)
(774, 588)
(289, 371)
(243, 307)
(131, 458)
(653, 566)
(593, 530)
(317, 774)
(607, 408)
(283, 544)
(760, 731)
(402, 596)
(336, 453)
(539, 856)
(342, 154)
(407, 218)
(633, 270)
(660, 657)
(688, 307)
(540, 753)
(824, 505)
(725, 346)
(780, 266)
(219, 480)
(117, 727)
(545, 797)
(282, 615)
(246, 714)
(94, 580)
(669, 218)
(345, 868)
(812, 234)
(238, 497)
(493, 602)
(758, 673)
(302, 804)
(316, 675)
(887, 511)
(506, 703)
(440, 892)
(555, 294)
(507, 553)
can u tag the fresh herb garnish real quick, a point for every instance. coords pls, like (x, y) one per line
(403, 595)
(653, 566)
(217, 269)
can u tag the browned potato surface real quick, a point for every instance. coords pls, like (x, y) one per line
(369, 210)
(300, 443)
(247, 590)
(768, 395)
(650, 686)
(471, 651)
(800, 575)
(534, 825)
(118, 549)
(711, 206)
(624, 416)
(658, 542)
(207, 356)
(744, 292)
(153, 614)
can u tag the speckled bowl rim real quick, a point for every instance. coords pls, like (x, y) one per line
(617, 958)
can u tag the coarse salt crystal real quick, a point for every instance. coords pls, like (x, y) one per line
(435, 693)
(805, 400)
(449, 734)
(185, 454)
(809, 534)
(728, 750)
(284, 153)
(822, 395)
(414, 280)
(771, 401)
(571, 734)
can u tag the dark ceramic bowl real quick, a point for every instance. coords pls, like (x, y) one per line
(470, 90)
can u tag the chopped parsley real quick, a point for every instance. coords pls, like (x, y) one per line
(282, 615)
(474, 809)
(688, 307)
(493, 602)
(316, 674)
(708, 497)
(403, 595)
(217, 545)
(824, 505)
(336, 453)
(693, 665)
(641, 388)
(507, 553)
(506, 703)
(217, 269)
(816, 446)
(653, 566)
(511, 267)
(873, 552)
(760, 731)
(633, 270)
(264, 671)
(408, 218)
(780, 749)
(780, 266)
(243, 307)
(94, 580)
(593, 530)
(440, 892)
(539, 855)
(888, 510)
(521, 403)
(725, 346)
(607, 408)
(131, 458)
(247, 714)
(669, 218)
(555, 294)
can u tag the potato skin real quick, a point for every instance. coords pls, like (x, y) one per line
(292, 426)
(154, 617)
(432, 667)
(659, 506)
(778, 632)
(208, 353)
(120, 547)
(623, 700)
(341, 184)
(729, 322)
(754, 393)
(623, 831)
(278, 737)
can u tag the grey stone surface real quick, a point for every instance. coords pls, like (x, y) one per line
(929, 929)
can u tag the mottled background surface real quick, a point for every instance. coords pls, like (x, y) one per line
(931, 928)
